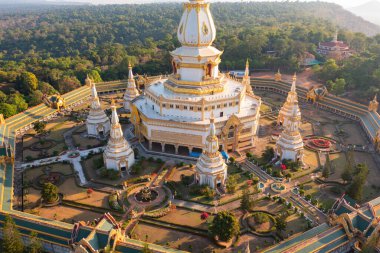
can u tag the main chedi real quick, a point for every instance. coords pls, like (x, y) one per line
(211, 169)
(97, 123)
(290, 143)
(131, 92)
(172, 115)
(118, 154)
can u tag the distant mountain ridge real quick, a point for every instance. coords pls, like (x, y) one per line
(369, 10)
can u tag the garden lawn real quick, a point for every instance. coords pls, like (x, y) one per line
(172, 238)
(295, 224)
(186, 217)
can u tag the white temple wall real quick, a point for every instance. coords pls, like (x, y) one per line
(115, 164)
(191, 74)
(92, 129)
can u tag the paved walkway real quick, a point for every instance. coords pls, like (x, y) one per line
(76, 161)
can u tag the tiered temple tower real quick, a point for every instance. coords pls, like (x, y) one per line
(97, 123)
(290, 143)
(172, 115)
(131, 91)
(118, 154)
(291, 102)
(247, 79)
(211, 169)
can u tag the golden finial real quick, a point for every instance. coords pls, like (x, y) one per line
(113, 102)
(129, 64)
(212, 119)
(295, 77)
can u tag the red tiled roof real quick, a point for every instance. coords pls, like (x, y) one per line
(334, 44)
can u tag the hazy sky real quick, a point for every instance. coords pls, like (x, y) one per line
(345, 3)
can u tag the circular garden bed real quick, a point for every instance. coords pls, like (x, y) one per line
(261, 222)
(42, 145)
(320, 144)
(55, 178)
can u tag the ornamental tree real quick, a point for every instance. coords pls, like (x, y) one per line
(280, 223)
(224, 226)
(49, 192)
(245, 202)
(39, 127)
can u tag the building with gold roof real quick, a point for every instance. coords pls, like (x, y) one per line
(290, 143)
(172, 115)
(118, 154)
(211, 169)
(97, 123)
(131, 92)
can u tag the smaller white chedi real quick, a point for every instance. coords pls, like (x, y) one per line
(97, 123)
(131, 92)
(211, 169)
(118, 154)
(290, 143)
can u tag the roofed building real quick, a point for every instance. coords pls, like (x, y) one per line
(172, 115)
(334, 49)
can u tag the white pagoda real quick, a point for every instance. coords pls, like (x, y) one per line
(97, 123)
(131, 92)
(211, 169)
(247, 79)
(118, 154)
(172, 115)
(290, 143)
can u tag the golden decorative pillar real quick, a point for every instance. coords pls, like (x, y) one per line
(373, 105)
(278, 76)
(203, 101)
(2, 120)
(161, 98)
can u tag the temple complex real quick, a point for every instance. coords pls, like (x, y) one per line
(97, 123)
(172, 115)
(131, 92)
(211, 169)
(290, 143)
(334, 49)
(118, 154)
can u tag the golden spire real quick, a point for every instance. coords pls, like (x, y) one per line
(247, 68)
(212, 119)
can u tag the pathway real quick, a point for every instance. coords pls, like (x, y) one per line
(76, 161)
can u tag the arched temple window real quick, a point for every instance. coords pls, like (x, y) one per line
(174, 65)
(208, 70)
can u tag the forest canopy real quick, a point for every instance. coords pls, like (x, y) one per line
(49, 49)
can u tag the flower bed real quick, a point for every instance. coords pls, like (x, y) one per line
(321, 143)
(158, 213)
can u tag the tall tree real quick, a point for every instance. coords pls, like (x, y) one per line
(224, 226)
(12, 242)
(280, 223)
(49, 192)
(27, 82)
(35, 243)
(245, 202)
